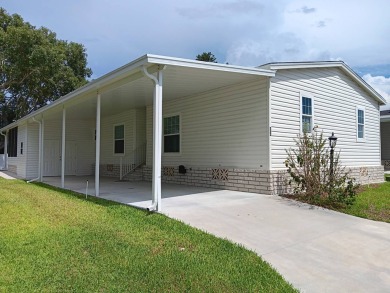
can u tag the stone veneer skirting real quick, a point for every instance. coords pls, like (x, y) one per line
(249, 180)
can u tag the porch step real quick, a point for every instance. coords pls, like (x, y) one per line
(135, 175)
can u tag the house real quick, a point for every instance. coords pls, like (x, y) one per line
(385, 135)
(197, 123)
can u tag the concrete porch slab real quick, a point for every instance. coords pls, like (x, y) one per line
(137, 193)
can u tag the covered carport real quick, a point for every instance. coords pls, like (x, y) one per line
(146, 81)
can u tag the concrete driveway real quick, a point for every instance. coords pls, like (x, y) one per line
(317, 250)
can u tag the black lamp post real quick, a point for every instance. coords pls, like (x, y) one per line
(332, 145)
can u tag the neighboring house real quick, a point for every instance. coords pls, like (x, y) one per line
(385, 136)
(227, 126)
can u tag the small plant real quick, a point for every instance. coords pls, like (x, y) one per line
(308, 164)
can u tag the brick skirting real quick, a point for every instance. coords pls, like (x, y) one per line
(248, 180)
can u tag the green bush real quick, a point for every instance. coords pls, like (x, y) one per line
(308, 164)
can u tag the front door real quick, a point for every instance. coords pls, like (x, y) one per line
(52, 158)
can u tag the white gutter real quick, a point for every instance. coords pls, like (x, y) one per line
(39, 152)
(157, 138)
(5, 150)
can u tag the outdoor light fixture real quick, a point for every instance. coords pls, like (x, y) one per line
(332, 145)
(332, 141)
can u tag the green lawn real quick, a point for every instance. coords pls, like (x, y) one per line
(56, 241)
(372, 203)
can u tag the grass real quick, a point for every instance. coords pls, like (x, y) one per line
(56, 241)
(372, 202)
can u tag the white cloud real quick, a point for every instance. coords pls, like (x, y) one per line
(275, 48)
(380, 83)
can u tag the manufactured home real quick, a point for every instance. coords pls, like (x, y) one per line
(203, 124)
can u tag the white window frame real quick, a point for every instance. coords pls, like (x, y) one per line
(360, 139)
(163, 135)
(309, 96)
(124, 139)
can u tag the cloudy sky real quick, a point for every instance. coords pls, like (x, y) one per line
(241, 32)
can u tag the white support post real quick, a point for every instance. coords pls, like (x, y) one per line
(97, 158)
(42, 144)
(63, 148)
(158, 141)
(157, 138)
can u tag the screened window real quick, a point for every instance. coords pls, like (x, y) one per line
(13, 142)
(360, 123)
(307, 114)
(119, 139)
(172, 134)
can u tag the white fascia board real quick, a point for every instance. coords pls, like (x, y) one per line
(163, 60)
(323, 64)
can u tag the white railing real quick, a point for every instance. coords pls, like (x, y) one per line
(130, 162)
(2, 162)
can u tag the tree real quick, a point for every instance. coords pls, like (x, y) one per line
(35, 67)
(206, 57)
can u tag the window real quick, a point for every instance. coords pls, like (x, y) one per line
(21, 148)
(360, 121)
(13, 142)
(307, 114)
(119, 139)
(172, 134)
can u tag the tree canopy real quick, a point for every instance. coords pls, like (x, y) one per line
(206, 57)
(35, 67)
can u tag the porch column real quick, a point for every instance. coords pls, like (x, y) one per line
(63, 148)
(97, 158)
(41, 152)
(157, 137)
(157, 141)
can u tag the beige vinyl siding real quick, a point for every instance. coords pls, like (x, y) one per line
(140, 126)
(82, 132)
(335, 97)
(20, 160)
(385, 138)
(32, 151)
(225, 127)
(107, 136)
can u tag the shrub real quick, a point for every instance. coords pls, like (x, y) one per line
(309, 167)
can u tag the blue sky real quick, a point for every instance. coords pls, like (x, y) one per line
(241, 32)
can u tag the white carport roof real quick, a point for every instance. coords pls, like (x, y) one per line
(127, 87)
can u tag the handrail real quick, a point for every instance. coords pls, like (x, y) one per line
(132, 161)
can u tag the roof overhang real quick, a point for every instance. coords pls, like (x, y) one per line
(181, 77)
(324, 64)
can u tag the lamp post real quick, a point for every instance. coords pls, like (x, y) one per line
(332, 145)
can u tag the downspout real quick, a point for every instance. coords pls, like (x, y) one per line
(157, 139)
(39, 152)
(5, 151)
